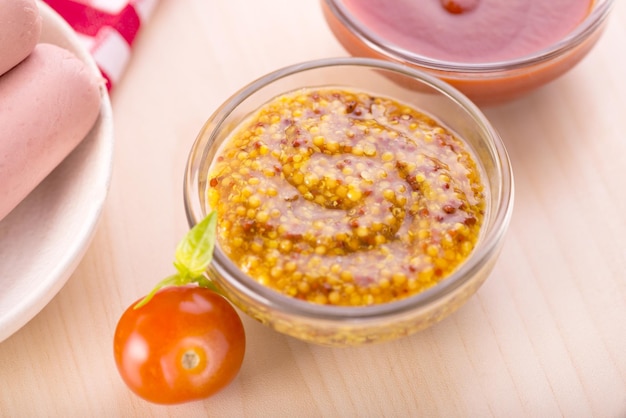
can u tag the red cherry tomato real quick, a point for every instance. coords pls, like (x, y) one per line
(185, 344)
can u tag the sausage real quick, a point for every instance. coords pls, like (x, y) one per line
(20, 27)
(48, 104)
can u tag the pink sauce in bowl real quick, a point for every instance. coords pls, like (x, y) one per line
(482, 31)
(492, 50)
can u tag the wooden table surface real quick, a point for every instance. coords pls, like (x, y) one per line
(544, 337)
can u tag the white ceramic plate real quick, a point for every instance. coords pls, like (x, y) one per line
(44, 238)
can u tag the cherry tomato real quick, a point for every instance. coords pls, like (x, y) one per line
(185, 344)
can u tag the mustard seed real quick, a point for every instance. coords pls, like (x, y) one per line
(341, 197)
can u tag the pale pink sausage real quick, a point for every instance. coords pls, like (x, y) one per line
(20, 27)
(48, 104)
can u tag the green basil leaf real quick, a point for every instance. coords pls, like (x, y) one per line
(195, 251)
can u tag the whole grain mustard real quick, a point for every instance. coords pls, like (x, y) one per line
(338, 197)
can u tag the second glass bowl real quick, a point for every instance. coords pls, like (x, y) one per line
(486, 83)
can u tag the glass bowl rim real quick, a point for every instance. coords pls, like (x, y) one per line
(592, 22)
(272, 299)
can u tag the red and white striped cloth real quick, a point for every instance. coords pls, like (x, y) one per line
(107, 28)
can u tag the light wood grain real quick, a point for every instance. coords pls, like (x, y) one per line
(544, 337)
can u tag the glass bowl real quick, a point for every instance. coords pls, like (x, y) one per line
(485, 83)
(349, 326)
